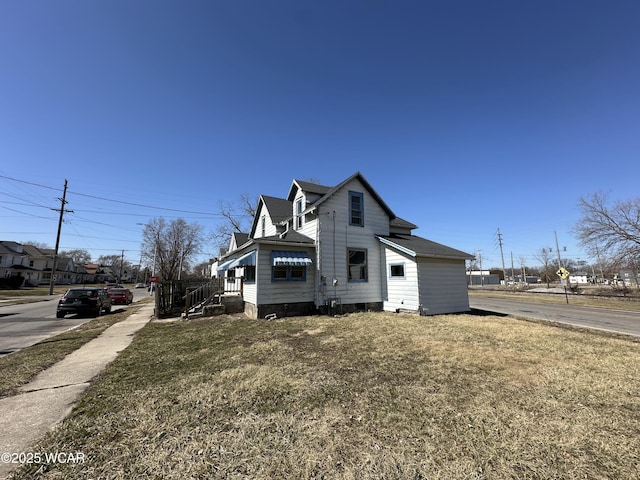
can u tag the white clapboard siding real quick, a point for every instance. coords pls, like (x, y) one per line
(443, 287)
(270, 292)
(250, 292)
(401, 292)
(345, 236)
(270, 228)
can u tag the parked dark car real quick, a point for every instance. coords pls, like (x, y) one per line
(120, 295)
(84, 301)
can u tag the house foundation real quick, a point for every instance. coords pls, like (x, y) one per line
(280, 310)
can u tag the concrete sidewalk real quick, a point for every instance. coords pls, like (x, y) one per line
(44, 402)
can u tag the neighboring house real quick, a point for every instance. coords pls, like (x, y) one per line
(91, 270)
(482, 277)
(528, 279)
(25, 261)
(627, 278)
(340, 249)
(35, 264)
(580, 278)
(66, 272)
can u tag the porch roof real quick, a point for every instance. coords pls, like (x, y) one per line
(224, 265)
(246, 260)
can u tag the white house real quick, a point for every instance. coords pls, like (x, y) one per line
(341, 248)
(580, 278)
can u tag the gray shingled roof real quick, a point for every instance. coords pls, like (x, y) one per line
(310, 187)
(422, 247)
(290, 236)
(402, 223)
(280, 209)
(241, 238)
(366, 185)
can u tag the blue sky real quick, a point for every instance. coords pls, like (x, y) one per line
(466, 116)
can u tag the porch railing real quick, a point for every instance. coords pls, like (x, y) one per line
(210, 293)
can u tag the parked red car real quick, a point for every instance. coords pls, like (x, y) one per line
(120, 295)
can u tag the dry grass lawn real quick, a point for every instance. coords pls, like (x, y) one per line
(22, 366)
(363, 396)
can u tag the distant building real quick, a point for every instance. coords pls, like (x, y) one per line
(580, 278)
(482, 277)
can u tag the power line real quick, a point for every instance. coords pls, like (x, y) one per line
(206, 214)
(141, 205)
(25, 213)
(29, 183)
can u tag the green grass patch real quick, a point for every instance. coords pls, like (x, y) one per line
(20, 367)
(363, 396)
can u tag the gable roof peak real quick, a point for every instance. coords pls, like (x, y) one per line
(359, 177)
(280, 210)
(309, 187)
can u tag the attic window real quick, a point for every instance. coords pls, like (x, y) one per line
(298, 218)
(356, 209)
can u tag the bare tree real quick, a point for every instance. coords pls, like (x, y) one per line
(201, 270)
(38, 245)
(112, 261)
(610, 230)
(171, 246)
(117, 263)
(549, 268)
(79, 256)
(237, 218)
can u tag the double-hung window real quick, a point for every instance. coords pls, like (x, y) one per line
(357, 265)
(356, 209)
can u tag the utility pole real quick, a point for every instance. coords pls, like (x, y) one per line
(55, 253)
(513, 274)
(557, 249)
(121, 264)
(563, 281)
(501, 253)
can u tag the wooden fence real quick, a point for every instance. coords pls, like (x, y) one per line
(174, 298)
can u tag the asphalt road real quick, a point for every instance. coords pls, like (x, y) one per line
(27, 324)
(618, 321)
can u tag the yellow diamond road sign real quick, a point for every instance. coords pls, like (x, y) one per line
(562, 273)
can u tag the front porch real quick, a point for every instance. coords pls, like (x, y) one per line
(191, 298)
